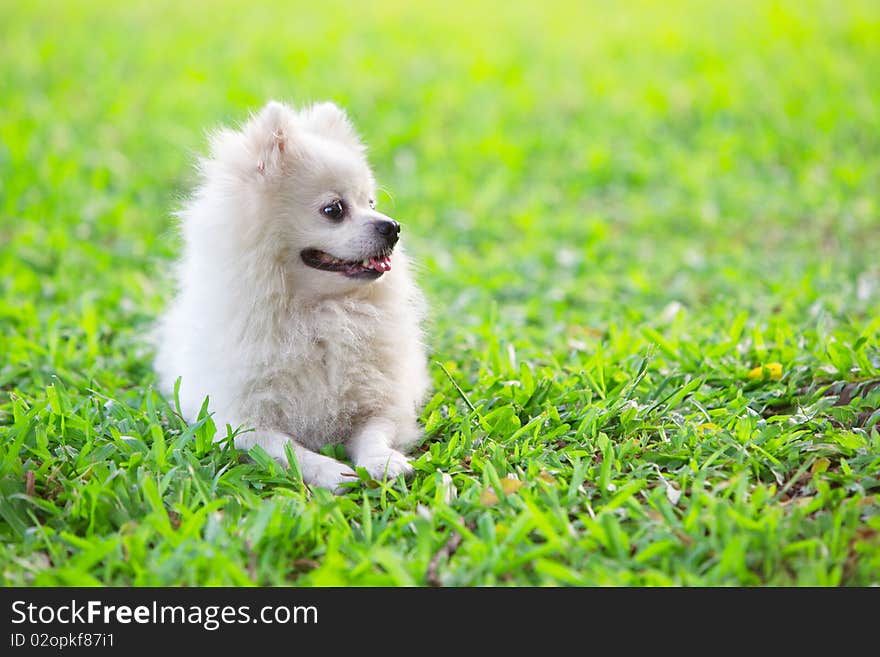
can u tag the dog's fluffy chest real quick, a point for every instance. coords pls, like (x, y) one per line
(327, 374)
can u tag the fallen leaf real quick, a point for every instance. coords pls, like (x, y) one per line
(820, 465)
(867, 501)
(766, 371)
(672, 494)
(29, 485)
(489, 498)
(707, 427)
(585, 331)
(546, 477)
(797, 499)
(509, 485)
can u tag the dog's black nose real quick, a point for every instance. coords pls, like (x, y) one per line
(389, 229)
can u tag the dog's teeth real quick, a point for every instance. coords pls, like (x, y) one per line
(365, 263)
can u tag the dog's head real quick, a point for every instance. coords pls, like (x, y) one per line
(312, 180)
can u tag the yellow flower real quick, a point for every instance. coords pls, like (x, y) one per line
(766, 371)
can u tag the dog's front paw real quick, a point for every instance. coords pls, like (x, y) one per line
(390, 464)
(332, 474)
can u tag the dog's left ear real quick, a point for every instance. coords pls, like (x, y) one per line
(268, 136)
(329, 120)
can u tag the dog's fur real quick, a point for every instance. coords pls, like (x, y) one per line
(287, 352)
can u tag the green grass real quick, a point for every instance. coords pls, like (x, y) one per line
(619, 209)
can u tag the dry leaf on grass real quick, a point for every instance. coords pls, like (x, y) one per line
(820, 465)
(546, 477)
(488, 497)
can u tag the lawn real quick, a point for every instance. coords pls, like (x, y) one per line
(648, 232)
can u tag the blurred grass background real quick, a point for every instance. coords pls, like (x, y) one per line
(576, 179)
(645, 143)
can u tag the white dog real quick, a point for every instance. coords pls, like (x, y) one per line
(296, 312)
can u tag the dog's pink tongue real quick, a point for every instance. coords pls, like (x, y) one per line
(381, 264)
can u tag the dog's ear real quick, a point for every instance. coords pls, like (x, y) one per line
(329, 120)
(267, 135)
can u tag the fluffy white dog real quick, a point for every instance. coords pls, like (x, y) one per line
(296, 312)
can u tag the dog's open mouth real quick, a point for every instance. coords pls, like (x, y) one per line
(372, 267)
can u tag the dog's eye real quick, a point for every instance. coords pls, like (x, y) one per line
(334, 211)
(372, 204)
